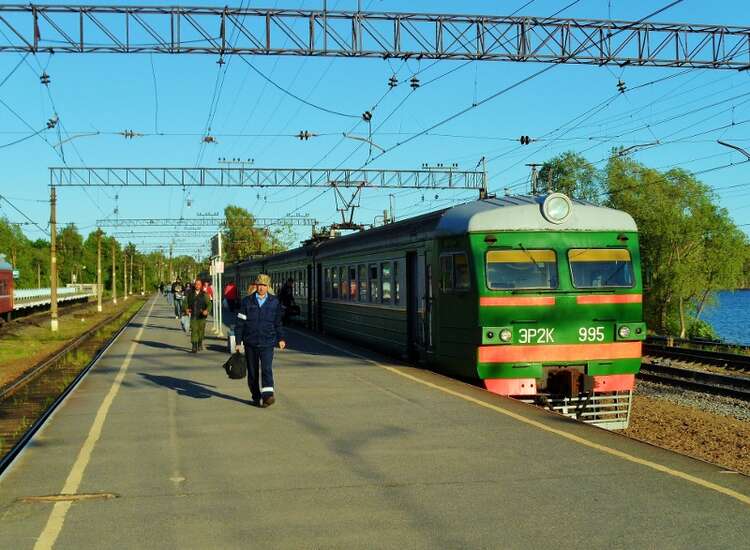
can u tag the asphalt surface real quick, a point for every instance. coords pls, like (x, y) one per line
(354, 454)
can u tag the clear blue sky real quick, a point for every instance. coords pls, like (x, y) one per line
(112, 93)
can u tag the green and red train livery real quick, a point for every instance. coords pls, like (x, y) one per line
(537, 297)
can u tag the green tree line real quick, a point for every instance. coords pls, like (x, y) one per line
(690, 247)
(77, 254)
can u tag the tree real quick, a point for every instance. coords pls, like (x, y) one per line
(70, 254)
(573, 175)
(243, 239)
(689, 246)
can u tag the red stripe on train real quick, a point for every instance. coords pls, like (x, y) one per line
(609, 299)
(507, 301)
(559, 352)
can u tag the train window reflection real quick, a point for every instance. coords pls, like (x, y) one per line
(521, 269)
(601, 267)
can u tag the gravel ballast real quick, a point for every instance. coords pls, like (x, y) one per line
(707, 427)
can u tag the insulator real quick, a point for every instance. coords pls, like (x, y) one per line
(367, 116)
(414, 82)
(393, 81)
(525, 140)
(44, 78)
(621, 87)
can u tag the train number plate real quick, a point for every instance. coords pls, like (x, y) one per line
(536, 336)
(591, 334)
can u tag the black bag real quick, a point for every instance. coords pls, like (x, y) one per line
(235, 366)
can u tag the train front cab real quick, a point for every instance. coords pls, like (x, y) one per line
(561, 320)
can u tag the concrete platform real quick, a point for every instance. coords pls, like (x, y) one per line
(356, 453)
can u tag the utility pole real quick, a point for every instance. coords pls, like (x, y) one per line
(124, 274)
(99, 270)
(114, 273)
(534, 176)
(143, 278)
(483, 193)
(53, 258)
(171, 276)
(130, 280)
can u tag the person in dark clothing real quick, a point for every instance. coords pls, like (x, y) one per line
(177, 294)
(286, 297)
(259, 329)
(198, 306)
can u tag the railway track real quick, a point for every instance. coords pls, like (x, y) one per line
(9, 390)
(696, 380)
(729, 361)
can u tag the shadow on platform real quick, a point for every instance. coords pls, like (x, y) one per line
(161, 345)
(189, 388)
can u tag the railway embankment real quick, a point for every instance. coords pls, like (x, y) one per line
(704, 426)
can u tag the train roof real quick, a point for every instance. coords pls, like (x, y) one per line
(524, 213)
(510, 213)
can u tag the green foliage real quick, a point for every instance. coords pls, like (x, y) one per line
(242, 239)
(689, 246)
(701, 329)
(573, 175)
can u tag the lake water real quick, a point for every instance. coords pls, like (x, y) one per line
(730, 317)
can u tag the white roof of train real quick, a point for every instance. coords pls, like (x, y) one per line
(524, 213)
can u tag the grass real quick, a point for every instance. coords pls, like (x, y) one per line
(26, 345)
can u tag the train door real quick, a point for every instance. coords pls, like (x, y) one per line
(419, 303)
(309, 296)
(319, 297)
(412, 307)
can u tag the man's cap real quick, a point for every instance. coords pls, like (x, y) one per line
(263, 279)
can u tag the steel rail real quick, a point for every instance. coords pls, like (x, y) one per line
(695, 380)
(7, 459)
(730, 361)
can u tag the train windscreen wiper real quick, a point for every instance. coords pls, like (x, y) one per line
(531, 257)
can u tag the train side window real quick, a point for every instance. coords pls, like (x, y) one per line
(396, 283)
(363, 283)
(327, 282)
(385, 282)
(446, 272)
(461, 272)
(352, 283)
(344, 284)
(374, 286)
(334, 282)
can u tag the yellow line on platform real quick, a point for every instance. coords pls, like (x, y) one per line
(745, 499)
(57, 517)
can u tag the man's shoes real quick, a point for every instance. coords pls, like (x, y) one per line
(268, 401)
(254, 402)
(194, 349)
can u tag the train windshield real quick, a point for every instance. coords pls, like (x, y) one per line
(521, 269)
(601, 267)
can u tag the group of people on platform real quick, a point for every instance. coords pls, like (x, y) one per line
(260, 318)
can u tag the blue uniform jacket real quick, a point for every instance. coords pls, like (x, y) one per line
(261, 326)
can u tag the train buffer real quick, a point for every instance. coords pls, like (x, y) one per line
(157, 447)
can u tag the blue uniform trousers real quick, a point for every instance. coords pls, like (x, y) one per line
(259, 371)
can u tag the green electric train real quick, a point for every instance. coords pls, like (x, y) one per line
(536, 297)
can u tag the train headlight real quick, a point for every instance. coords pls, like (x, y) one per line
(506, 335)
(624, 332)
(557, 208)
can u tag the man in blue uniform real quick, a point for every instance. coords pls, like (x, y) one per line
(259, 329)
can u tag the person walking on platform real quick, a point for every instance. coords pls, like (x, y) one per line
(177, 293)
(259, 329)
(198, 305)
